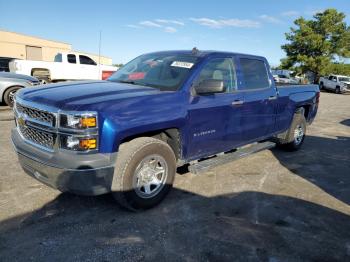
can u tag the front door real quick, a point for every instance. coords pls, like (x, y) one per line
(88, 68)
(214, 119)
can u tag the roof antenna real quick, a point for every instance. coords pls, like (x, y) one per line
(195, 50)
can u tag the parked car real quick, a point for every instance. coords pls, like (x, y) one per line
(66, 66)
(337, 83)
(10, 83)
(284, 79)
(127, 135)
(4, 64)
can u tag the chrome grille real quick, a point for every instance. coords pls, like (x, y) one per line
(36, 114)
(36, 136)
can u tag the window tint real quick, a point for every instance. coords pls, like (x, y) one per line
(85, 60)
(254, 73)
(165, 71)
(58, 58)
(71, 59)
(219, 69)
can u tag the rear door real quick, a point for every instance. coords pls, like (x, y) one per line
(260, 99)
(214, 119)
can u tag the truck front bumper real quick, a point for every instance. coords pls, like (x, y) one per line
(83, 174)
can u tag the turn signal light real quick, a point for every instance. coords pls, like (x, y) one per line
(87, 144)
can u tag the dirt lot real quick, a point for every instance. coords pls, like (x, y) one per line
(271, 206)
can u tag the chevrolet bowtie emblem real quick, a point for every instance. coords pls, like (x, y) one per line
(21, 121)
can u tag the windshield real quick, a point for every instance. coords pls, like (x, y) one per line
(344, 79)
(167, 72)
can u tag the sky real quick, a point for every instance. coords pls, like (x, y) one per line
(130, 28)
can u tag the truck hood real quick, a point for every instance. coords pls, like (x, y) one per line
(83, 94)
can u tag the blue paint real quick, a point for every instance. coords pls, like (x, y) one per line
(207, 124)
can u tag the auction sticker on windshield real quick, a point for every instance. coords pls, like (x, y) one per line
(182, 64)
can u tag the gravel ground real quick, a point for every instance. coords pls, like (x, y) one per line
(271, 206)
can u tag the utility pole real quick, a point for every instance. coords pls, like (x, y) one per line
(99, 55)
(99, 48)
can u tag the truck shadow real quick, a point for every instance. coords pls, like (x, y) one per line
(248, 226)
(322, 161)
(345, 122)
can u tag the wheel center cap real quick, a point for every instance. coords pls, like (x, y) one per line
(146, 174)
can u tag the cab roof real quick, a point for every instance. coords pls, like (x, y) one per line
(203, 53)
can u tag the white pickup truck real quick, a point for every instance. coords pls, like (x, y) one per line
(337, 83)
(66, 66)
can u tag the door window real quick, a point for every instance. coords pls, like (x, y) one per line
(71, 59)
(219, 69)
(254, 73)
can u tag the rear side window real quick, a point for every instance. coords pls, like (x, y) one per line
(254, 73)
(71, 59)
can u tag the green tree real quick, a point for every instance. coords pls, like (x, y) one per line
(339, 69)
(314, 44)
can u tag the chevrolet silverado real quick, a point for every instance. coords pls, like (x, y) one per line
(128, 135)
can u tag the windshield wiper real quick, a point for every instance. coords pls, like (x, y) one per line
(127, 82)
(135, 83)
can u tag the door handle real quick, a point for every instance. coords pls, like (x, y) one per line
(237, 102)
(272, 97)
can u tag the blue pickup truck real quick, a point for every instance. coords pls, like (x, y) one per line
(160, 111)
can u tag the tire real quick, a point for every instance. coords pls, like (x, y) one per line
(44, 81)
(321, 86)
(140, 161)
(43, 75)
(337, 90)
(10, 94)
(295, 136)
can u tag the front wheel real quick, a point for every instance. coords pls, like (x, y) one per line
(337, 90)
(10, 94)
(321, 86)
(144, 173)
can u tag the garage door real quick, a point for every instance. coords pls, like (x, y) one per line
(34, 53)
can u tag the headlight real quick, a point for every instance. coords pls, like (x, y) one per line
(79, 121)
(78, 143)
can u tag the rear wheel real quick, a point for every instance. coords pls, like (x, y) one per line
(43, 75)
(295, 135)
(44, 81)
(144, 173)
(10, 94)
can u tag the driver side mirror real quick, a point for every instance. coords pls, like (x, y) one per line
(210, 86)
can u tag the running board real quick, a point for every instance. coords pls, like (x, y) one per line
(224, 158)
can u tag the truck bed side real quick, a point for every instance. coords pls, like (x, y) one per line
(292, 97)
